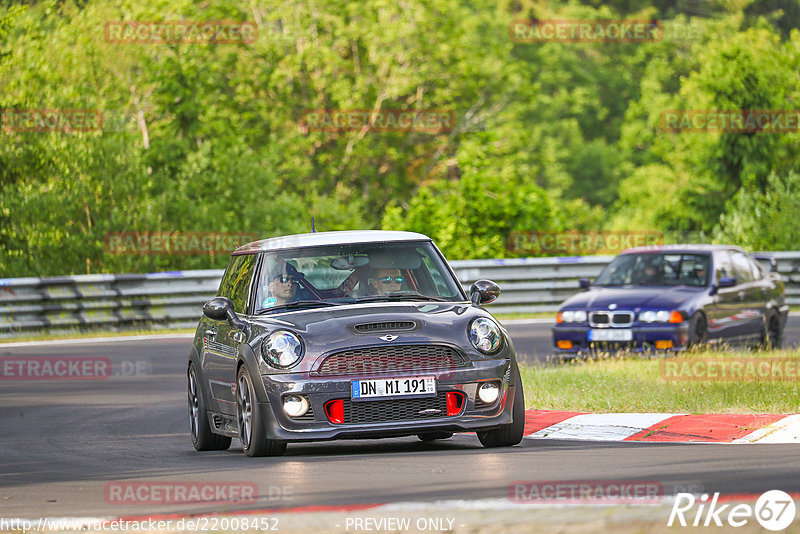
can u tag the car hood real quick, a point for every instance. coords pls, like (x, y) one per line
(326, 330)
(600, 298)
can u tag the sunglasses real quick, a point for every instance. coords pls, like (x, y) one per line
(389, 279)
(286, 279)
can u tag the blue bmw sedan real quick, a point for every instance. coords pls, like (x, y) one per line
(672, 297)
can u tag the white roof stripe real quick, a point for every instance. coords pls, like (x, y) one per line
(329, 238)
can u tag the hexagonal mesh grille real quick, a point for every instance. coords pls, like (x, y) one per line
(391, 359)
(386, 411)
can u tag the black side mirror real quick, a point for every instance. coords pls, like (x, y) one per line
(484, 292)
(218, 308)
(727, 281)
(584, 283)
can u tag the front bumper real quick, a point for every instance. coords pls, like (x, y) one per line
(320, 390)
(644, 338)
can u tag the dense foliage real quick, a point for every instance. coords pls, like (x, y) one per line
(547, 136)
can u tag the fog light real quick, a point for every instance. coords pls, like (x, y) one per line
(489, 392)
(564, 344)
(664, 344)
(295, 405)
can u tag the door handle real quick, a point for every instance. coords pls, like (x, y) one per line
(238, 337)
(211, 333)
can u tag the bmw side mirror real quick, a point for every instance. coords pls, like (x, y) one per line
(584, 283)
(484, 292)
(218, 308)
(727, 281)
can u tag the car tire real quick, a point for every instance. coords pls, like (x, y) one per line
(510, 434)
(203, 438)
(433, 436)
(698, 331)
(252, 432)
(772, 334)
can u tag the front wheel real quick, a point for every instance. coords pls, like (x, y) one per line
(772, 336)
(510, 434)
(252, 432)
(697, 330)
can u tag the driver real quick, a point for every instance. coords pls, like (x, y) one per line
(282, 283)
(386, 281)
(649, 274)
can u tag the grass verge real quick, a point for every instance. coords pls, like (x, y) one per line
(628, 383)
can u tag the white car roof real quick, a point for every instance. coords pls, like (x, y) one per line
(328, 238)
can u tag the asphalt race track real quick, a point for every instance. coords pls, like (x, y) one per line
(63, 442)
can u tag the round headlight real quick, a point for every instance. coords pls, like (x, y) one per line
(662, 316)
(485, 335)
(568, 316)
(648, 316)
(489, 392)
(282, 349)
(580, 316)
(295, 405)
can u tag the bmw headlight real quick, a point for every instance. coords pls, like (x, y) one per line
(485, 335)
(282, 349)
(573, 316)
(660, 316)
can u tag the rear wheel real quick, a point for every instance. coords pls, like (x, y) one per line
(433, 436)
(202, 436)
(510, 434)
(698, 331)
(252, 432)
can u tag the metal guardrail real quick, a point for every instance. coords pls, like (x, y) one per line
(174, 299)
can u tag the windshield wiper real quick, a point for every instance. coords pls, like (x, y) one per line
(299, 304)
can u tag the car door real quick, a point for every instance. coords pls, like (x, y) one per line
(722, 313)
(221, 339)
(749, 296)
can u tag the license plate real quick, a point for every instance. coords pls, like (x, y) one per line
(393, 387)
(617, 334)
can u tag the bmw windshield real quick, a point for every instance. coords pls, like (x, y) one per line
(656, 270)
(346, 274)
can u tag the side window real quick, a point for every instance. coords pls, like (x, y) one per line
(722, 265)
(741, 266)
(236, 281)
(756, 268)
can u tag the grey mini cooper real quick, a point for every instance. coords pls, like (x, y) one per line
(346, 335)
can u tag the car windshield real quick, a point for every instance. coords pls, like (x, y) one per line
(345, 274)
(656, 270)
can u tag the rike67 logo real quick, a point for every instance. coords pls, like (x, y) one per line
(774, 510)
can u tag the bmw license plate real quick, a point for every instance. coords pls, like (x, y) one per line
(616, 334)
(393, 387)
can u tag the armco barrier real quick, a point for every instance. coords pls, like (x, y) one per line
(175, 299)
